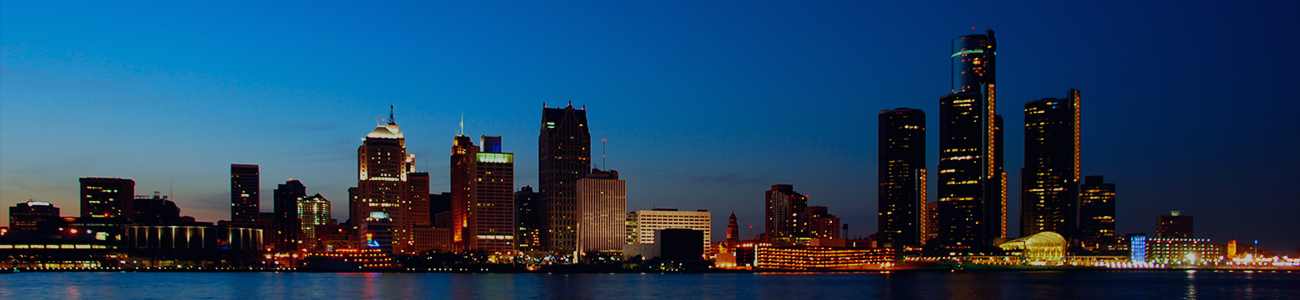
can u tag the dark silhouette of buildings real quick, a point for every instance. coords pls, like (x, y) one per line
(1049, 182)
(244, 188)
(156, 210)
(1096, 212)
(564, 156)
(972, 183)
(783, 206)
(107, 197)
(440, 209)
(680, 244)
(528, 237)
(1174, 226)
(902, 175)
(24, 216)
(287, 225)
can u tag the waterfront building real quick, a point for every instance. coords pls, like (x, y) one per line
(107, 197)
(602, 205)
(483, 199)
(1137, 247)
(1183, 250)
(821, 224)
(24, 216)
(1174, 225)
(1044, 246)
(1049, 182)
(244, 188)
(312, 211)
(155, 210)
(808, 258)
(971, 180)
(1096, 212)
(287, 224)
(564, 156)
(376, 232)
(642, 224)
(383, 167)
(902, 176)
(529, 235)
(783, 206)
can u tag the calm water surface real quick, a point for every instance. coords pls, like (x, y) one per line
(999, 285)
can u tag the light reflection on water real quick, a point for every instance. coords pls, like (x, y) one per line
(905, 285)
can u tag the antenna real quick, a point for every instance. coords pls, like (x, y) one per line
(391, 119)
(462, 124)
(602, 155)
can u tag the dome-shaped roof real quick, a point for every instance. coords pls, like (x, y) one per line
(385, 132)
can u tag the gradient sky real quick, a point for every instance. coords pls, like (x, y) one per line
(1187, 106)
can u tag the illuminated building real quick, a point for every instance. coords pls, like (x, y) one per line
(24, 216)
(733, 229)
(1137, 247)
(1174, 225)
(602, 205)
(564, 155)
(1182, 250)
(244, 186)
(971, 180)
(107, 197)
(417, 184)
(287, 224)
(1096, 212)
(382, 167)
(902, 176)
(529, 235)
(783, 206)
(642, 224)
(1044, 246)
(376, 232)
(822, 258)
(155, 210)
(931, 222)
(482, 199)
(194, 243)
(1049, 182)
(821, 224)
(312, 211)
(348, 259)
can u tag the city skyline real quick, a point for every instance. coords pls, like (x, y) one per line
(124, 111)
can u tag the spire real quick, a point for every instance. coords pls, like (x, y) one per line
(391, 120)
(462, 124)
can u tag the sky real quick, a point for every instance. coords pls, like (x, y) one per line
(1186, 105)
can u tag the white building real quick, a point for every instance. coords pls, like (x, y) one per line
(641, 224)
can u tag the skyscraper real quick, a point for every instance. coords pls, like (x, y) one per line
(464, 155)
(783, 206)
(482, 203)
(529, 235)
(971, 180)
(382, 167)
(1096, 212)
(1174, 225)
(1049, 182)
(602, 207)
(564, 156)
(287, 224)
(902, 176)
(244, 199)
(312, 211)
(107, 197)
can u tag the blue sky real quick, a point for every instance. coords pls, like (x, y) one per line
(1186, 105)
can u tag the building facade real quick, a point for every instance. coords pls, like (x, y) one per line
(902, 176)
(821, 223)
(602, 205)
(971, 180)
(1096, 212)
(529, 235)
(564, 156)
(1049, 182)
(107, 197)
(482, 207)
(782, 208)
(1174, 226)
(287, 224)
(312, 211)
(642, 224)
(24, 216)
(382, 169)
(245, 184)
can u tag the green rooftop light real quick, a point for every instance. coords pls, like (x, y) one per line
(967, 52)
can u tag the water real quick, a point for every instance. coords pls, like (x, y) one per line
(924, 285)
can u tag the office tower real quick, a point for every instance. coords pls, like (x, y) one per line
(529, 235)
(783, 206)
(24, 216)
(733, 230)
(1174, 226)
(564, 156)
(107, 197)
(902, 177)
(482, 199)
(971, 180)
(1096, 212)
(1049, 182)
(931, 234)
(383, 166)
(602, 207)
(244, 186)
(642, 224)
(287, 224)
(417, 184)
(821, 223)
(155, 210)
(312, 211)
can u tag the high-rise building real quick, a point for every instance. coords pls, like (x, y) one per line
(1174, 226)
(244, 199)
(733, 230)
(821, 223)
(24, 216)
(1049, 182)
(483, 202)
(902, 176)
(382, 167)
(529, 235)
(602, 205)
(783, 206)
(417, 184)
(287, 224)
(971, 180)
(107, 197)
(155, 210)
(642, 224)
(931, 227)
(312, 211)
(564, 156)
(1097, 212)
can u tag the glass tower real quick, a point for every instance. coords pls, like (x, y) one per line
(1049, 183)
(972, 185)
(901, 172)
